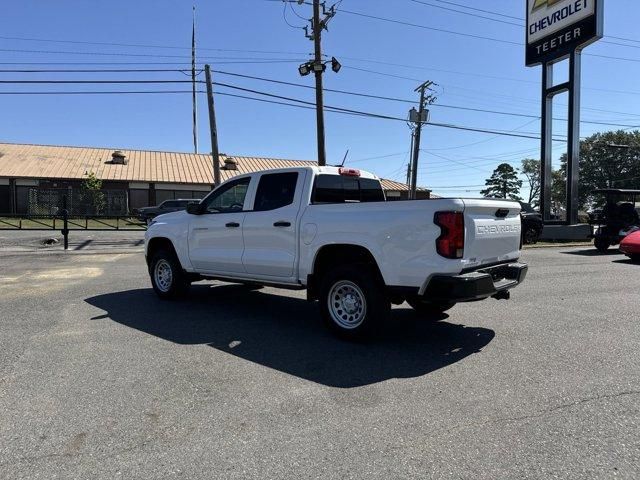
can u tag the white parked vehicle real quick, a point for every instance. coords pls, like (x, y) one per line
(329, 230)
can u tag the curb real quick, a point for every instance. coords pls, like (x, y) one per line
(558, 245)
(18, 252)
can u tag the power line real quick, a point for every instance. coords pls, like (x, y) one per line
(395, 99)
(142, 55)
(521, 24)
(478, 37)
(413, 79)
(138, 45)
(297, 103)
(90, 82)
(442, 30)
(94, 92)
(479, 9)
(284, 17)
(475, 15)
(378, 157)
(224, 62)
(98, 70)
(253, 60)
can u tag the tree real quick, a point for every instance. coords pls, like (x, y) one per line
(531, 170)
(503, 183)
(92, 188)
(559, 191)
(607, 159)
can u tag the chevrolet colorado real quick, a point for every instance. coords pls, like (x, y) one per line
(329, 230)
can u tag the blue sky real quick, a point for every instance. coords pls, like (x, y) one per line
(471, 73)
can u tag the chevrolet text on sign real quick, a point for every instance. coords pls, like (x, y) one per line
(556, 27)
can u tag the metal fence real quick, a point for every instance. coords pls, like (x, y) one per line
(75, 222)
(50, 202)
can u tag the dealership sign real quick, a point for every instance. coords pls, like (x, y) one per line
(557, 27)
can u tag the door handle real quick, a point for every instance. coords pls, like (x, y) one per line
(232, 225)
(282, 224)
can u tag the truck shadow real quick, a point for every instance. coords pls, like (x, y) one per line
(286, 333)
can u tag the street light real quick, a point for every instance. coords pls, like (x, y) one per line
(304, 69)
(335, 65)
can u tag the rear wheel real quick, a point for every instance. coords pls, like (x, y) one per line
(427, 308)
(635, 258)
(602, 244)
(167, 277)
(353, 301)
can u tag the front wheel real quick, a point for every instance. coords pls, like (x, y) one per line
(353, 301)
(167, 277)
(427, 308)
(635, 258)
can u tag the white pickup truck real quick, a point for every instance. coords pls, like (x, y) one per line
(330, 230)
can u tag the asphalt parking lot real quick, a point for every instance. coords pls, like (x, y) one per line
(100, 379)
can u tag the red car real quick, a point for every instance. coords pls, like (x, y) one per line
(630, 246)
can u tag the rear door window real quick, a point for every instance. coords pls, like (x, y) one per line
(275, 190)
(342, 189)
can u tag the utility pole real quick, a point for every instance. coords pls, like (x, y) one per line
(317, 66)
(409, 164)
(317, 41)
(420, 117)
(212, 127)
(193, 83)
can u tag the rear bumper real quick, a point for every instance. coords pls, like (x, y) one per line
(487, 282)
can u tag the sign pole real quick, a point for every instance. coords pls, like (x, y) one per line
(573, 147)
(546, 142)
(557, 30)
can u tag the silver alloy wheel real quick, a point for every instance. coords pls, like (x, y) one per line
(347, 304)
(163, 275)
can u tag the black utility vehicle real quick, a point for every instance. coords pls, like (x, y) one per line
(147, 213)
(617, 216)
(532, 224)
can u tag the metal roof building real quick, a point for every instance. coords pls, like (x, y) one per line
(148, 177)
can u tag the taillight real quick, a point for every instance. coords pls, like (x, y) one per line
(450, 243)
(349, 172)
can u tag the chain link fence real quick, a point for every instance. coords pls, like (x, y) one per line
(50, 201)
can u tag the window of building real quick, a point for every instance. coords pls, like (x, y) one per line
(275, 190)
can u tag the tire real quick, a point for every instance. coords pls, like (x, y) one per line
(635, 258)
(168, 279)
(429, 308)
(353, 301)
(531, 236)
(602, 244)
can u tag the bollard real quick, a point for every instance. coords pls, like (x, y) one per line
(65, 222)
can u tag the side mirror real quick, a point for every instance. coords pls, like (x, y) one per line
(194, 209)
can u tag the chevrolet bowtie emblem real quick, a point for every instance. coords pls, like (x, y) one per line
(541, 3)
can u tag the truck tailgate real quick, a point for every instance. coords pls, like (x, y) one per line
(492, 231)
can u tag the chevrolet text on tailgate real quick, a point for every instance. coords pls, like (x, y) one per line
(330, 231)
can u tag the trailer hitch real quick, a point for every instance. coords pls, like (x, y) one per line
(502, 295)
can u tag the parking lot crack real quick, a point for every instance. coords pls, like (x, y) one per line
(546, 412)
